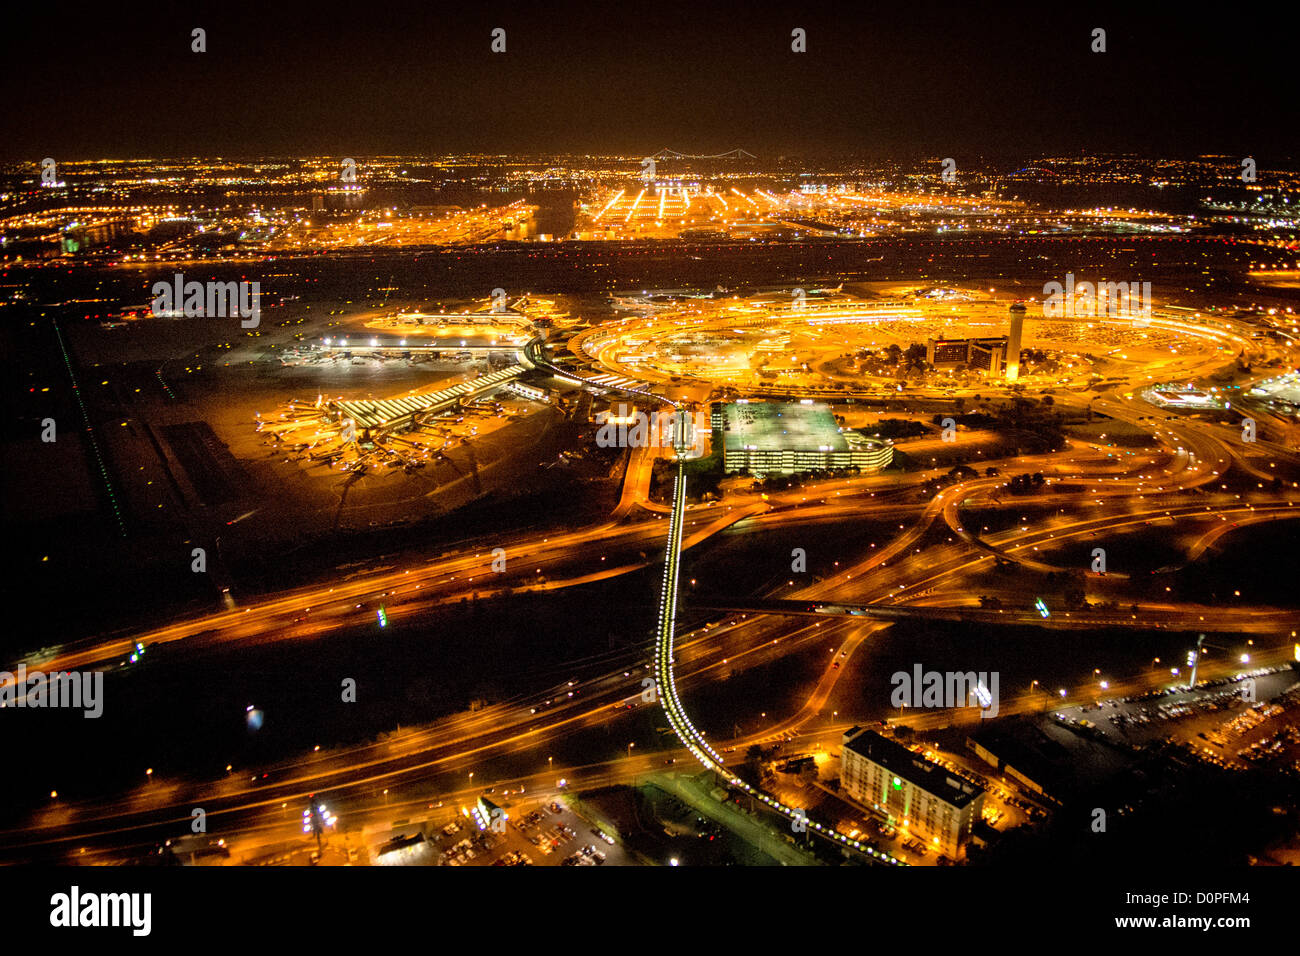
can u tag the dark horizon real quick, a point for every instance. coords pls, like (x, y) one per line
(581, 78)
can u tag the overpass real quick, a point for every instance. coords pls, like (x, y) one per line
(1254, 620)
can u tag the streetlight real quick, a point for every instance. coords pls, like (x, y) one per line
(629, 749)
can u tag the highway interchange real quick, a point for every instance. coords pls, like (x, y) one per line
(921, 571)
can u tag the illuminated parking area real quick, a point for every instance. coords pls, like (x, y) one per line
(786, 438)
(823, 342)
(1280, 394)
(1183, 396)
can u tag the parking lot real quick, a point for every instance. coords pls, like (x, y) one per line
(1215, 719)
(544, 832)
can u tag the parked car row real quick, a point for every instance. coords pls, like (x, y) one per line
(459, 854)
(514, 858)
(916, 846)
(587, 856)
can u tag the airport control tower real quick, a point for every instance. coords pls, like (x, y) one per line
(683, 433)
(1013, 341)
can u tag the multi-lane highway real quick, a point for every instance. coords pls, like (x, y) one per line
(920, 571)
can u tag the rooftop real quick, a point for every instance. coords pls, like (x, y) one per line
(777, 426)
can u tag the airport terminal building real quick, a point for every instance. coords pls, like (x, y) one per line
(786, 438)
(986, 355)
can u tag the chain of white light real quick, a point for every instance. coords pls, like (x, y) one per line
(687, 733)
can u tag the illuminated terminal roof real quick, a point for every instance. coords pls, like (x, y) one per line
(399, 412)
(1176, 395)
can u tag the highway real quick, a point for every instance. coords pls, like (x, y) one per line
(920, 572)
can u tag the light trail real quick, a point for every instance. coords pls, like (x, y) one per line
(692, 738)
(636, 202)
(617, 196)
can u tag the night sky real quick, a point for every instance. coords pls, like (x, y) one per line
(885, 80)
